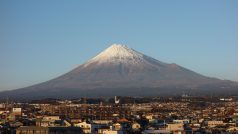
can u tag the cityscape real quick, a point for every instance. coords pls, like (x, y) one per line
(122, 115)
(118, 67)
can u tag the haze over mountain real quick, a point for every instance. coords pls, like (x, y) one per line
(120, 70)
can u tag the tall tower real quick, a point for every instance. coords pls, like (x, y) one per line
(117, 101)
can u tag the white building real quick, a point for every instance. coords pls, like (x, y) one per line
(51, 118)
(136, 126)
(117, 126)
(86, 127)
(174, 127)
(213, 123)
(184, 121)
(16, 111)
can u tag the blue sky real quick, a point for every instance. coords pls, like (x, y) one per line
(40, 40)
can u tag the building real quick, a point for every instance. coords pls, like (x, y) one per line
(113, 132)
(174, 127)
(17, 111)
(214, 123)
(48, 130)
(86, 127)
(117, 126)
(32, 130)
(135, 126)
(104, 129)
(156, 132)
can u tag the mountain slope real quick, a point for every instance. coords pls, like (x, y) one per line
(120, 66)
(120, 69)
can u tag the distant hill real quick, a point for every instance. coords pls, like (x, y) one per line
(120, 70)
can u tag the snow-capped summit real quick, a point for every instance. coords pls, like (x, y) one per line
(118, 53)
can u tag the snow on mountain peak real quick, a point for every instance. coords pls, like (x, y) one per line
(118, 53)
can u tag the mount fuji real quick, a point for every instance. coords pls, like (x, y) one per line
(120, 70)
